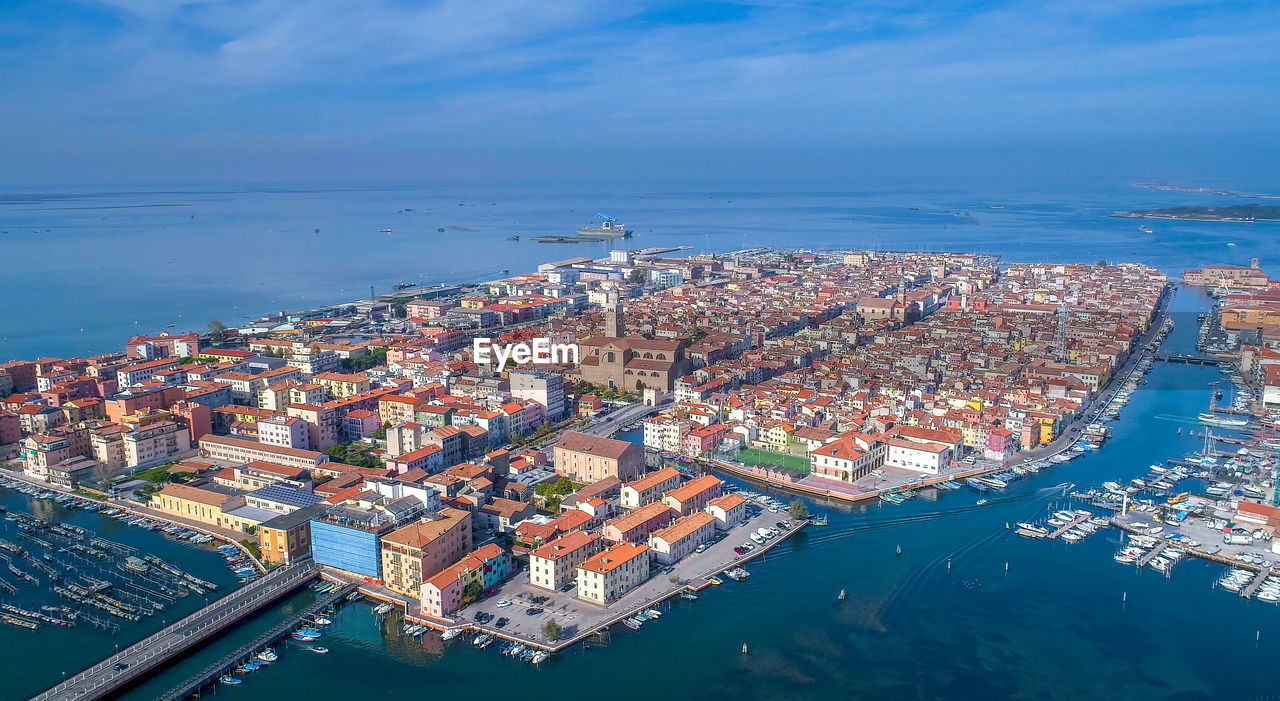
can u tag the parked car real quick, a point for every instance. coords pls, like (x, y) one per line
(569, 586)
(532, 611)
(739, 550)
(501, 622)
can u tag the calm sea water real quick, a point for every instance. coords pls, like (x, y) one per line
(90, 267)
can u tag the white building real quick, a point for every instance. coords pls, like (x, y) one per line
(608, 575)
(284, 431)
(681, 538)
(555, 564)
(544, 388)
(664, 433)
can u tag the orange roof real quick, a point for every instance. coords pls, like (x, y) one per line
(421, 533)
(565, 545)
(685, 527)
(694, 487)
(729, 501)
(614, 557)
(640, 516)
(654, 479)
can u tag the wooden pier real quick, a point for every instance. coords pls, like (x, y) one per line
(1252, 587)
(1074, 522)
(1152, 553)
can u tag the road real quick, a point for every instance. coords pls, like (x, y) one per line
(138, 659)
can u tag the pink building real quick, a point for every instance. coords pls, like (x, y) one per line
(636, 526)
(429, 458)
(442, 594)
(164, 346)
(360, 423)
(703, 440)
(10, 428)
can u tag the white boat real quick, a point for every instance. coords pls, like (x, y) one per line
(1215, 420)
(451, 633)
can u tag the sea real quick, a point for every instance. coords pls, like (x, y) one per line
(967, 611)
(88, 268)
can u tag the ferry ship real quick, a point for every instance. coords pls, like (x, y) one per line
(1215, 420)
(608, 228)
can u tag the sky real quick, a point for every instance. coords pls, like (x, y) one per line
(705, 94)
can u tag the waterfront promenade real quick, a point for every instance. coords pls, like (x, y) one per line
(138, 660)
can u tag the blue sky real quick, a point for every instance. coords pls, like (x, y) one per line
(627, 91)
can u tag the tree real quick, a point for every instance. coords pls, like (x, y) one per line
(217, 328)
(472, 591)
(1102, 264)
(399, 310)
(551, 630)
(798, 509)
(636, 276)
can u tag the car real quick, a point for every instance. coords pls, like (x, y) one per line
(668, 570)
(502, 622)
(479, 617)
(701, 548)
(119, 666)
(532, 611)
(739, 550)
(568, 587)
(503, 603)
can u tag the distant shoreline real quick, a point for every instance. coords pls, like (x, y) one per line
(1240, 214)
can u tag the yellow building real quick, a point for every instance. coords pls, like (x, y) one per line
(342, 385)
(209, 506)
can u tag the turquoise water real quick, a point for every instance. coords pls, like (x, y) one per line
(95, 267)
(969, 611)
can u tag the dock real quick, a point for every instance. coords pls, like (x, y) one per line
(1152, 553)
(1072, 524)
(139, 660)
(1254, 584)
(209, 675)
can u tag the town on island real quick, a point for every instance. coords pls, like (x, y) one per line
(531, 461)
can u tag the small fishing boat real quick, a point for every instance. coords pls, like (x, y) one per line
(716, 581)
(841, 596)
(230, 680)
(630, 624)
(319, 649)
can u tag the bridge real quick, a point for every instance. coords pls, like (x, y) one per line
(1188, 359)
(138, 660)
(210, 674)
